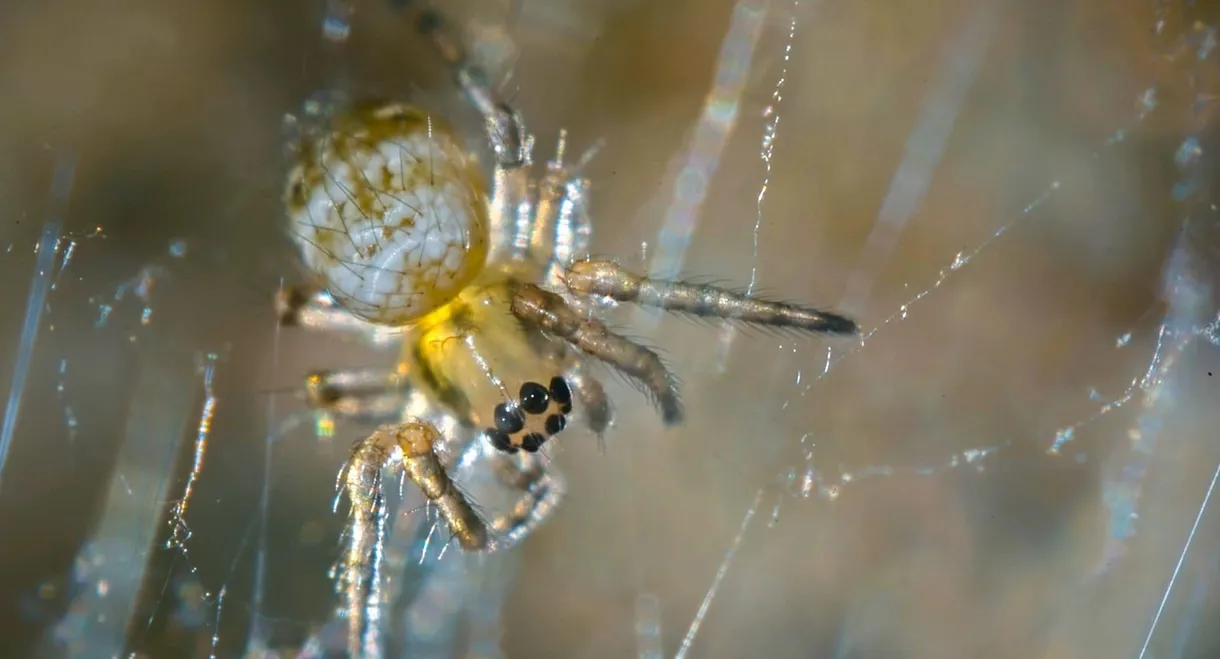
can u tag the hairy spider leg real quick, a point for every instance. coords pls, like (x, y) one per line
(545, 225)
(551, 313)
(357, 574)
(361, 480)
(511, 208)
(608, 279)
(561, 229)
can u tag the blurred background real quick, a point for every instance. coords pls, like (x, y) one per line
(1013, 198)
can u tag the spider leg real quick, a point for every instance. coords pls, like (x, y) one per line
(594, 402)
(381, 396)
(551, 313)
(561, 229)
(547, 224)
(361, 479)
(544, 489)
(608, 279)
(510, 142)
(358, 573)
(314, 309)
(362, 395)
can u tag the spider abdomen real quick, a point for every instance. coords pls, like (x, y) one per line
(389, 211)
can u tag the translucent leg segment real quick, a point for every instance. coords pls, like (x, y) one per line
(608, 279)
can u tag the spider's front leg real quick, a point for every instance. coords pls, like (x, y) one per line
(361, 479)
(608, 279)
(593, 400)
(550, 312)
(358, 578)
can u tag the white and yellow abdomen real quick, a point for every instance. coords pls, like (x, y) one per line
(389, 212)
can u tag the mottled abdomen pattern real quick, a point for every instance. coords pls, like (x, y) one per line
(389, 211)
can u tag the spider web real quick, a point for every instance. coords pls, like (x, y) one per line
(1016, 203)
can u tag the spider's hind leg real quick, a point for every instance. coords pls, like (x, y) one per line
(551, 313)
(608, 279)
(312, 308)
(372, 396)
(361, 477)
(357, 574)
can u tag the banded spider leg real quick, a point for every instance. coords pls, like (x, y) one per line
(553, 314)
(411, 447)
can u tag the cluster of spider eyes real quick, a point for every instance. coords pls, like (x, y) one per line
(534, 400)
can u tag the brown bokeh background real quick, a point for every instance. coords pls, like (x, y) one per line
(174, 108)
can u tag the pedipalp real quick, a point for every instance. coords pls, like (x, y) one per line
(551, 313)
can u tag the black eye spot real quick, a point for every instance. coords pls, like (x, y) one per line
(560, 391)
(500, 440)
(534, 398)
(533, 441)
(555, 424)
(509, 420)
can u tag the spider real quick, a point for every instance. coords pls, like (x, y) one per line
(493, 298)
